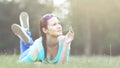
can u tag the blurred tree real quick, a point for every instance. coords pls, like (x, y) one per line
(96, 25)
(8, 15)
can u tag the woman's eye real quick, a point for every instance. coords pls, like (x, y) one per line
(59, 23)
(54, 24)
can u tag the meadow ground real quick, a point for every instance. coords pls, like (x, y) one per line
(10, 61)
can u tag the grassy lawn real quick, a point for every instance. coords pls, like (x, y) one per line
(10, 61)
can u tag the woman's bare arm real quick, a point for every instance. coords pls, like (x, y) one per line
(66, 41)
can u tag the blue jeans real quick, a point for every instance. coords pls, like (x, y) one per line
(23, 45)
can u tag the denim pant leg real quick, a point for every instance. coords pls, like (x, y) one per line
(24, 54)
(23, 45)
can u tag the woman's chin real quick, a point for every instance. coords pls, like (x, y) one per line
(60, 34)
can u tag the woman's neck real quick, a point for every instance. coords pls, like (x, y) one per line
(51, 41)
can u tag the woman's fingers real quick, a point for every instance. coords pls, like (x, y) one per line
(71, 31)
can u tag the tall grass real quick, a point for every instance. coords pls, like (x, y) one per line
(10, 61)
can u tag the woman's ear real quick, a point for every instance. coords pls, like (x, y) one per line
(44, 30)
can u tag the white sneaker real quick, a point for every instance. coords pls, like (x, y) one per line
(17, 30)
(24, 20)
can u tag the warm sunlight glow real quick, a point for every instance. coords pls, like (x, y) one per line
(58, 2)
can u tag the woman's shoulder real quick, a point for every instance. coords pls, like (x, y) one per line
(38, 41)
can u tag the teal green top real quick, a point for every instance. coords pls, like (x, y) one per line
(36, 53)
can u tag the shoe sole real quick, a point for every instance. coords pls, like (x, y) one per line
(17, 30)
(24, 19)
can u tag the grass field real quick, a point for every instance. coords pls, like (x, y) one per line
(10, 61)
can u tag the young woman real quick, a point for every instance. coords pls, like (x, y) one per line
(51, 47)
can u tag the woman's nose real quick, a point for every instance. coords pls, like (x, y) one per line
(59, 26)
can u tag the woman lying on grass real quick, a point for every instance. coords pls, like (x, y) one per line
(51, 47)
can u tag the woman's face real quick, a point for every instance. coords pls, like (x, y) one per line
(54, 27)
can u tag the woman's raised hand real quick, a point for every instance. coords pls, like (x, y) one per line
(69, 36)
